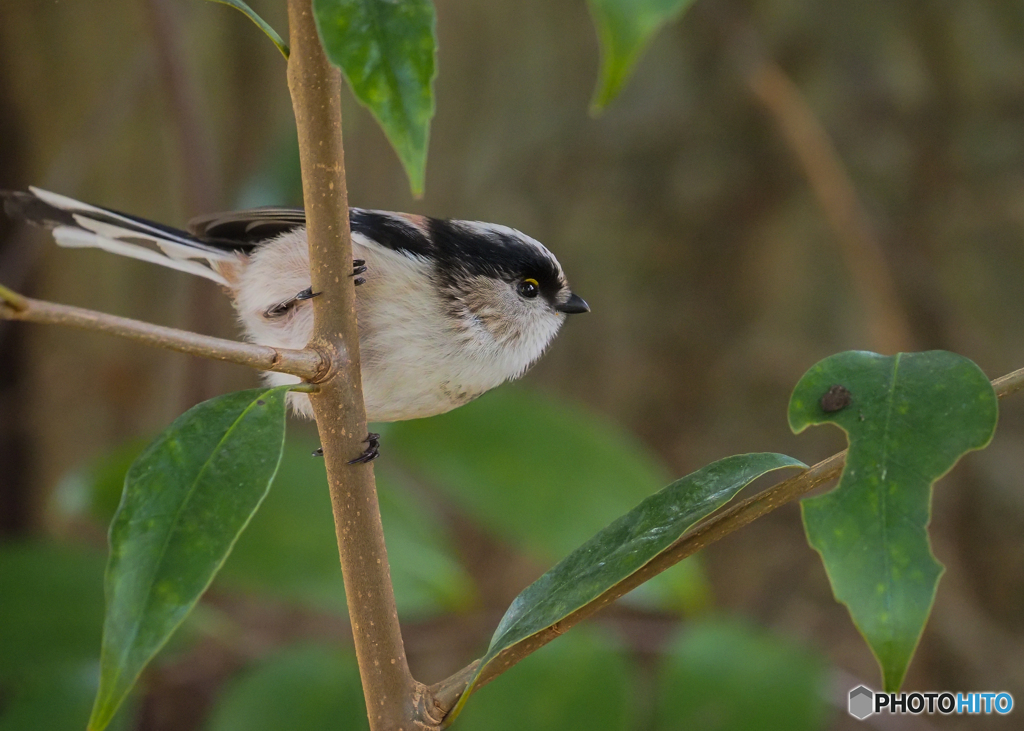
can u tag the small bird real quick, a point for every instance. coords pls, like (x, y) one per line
(447, 310)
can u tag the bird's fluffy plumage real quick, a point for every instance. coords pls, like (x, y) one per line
(444, 314)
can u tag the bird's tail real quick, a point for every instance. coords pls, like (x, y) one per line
(79, 225)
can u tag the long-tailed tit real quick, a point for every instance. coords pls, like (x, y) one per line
(447, 309)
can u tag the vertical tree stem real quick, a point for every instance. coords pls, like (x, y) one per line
(315, 88)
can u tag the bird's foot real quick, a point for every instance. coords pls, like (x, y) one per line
(359, 267)
(372, 450)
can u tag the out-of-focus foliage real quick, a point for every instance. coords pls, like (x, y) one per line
(290, 549)
(625, 28)
(51, 615)
(301, 688)
(542, 474)
(909, 419)
(723, 674)
(582, 682)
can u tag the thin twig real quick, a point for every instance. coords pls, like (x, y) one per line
(444, 695)
(315, 87)
(307, 364)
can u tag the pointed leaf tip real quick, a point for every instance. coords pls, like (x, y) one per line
(186, 500)
(386, 50)
(625, 28)
(622, 548)
(909, 418)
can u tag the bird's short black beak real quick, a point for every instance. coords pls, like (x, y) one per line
(574, 305)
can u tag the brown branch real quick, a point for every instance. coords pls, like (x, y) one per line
(444, 695)
(315, 88)
(307, 364)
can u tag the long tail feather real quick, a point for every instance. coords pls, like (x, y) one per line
(79, 225)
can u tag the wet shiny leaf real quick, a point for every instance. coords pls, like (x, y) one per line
(625, 546)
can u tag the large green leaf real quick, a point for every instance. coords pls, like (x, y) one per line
(386, 51)
(909, 418)
(185, 501)
(623, 547)
(543, 475)
(723, 675)
(625, 28)
(534, 694)
(300, 688)
(260, 23)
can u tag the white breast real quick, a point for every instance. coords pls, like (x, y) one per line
(414, 362)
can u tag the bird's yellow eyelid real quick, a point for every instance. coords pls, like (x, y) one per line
(532, 281)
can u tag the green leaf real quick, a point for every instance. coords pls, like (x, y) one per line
(625, 28)
(260, 22)
(544, 476)
(386, 51)
(185, 501)
(909, 418)
(300, 688)
(623, 547)
(722, 674)
(534, 694)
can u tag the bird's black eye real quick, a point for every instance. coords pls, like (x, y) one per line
(528, 288)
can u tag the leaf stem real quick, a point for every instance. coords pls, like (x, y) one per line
(315, 87)
(307, 364)
(13, 300)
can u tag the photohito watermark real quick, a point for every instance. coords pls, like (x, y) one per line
(865, 702)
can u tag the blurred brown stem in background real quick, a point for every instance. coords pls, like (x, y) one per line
(200, 191)
(888, 327)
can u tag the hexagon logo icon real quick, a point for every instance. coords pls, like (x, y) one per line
(861, 702)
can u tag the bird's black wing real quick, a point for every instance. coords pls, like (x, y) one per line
(243, 230)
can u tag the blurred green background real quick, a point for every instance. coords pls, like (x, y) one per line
(778, 182)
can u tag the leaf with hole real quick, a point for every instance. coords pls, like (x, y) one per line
(909, 418)
(386, 51)
(622, 548)
(186, 500)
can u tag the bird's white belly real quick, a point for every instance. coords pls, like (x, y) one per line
(413, 393)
